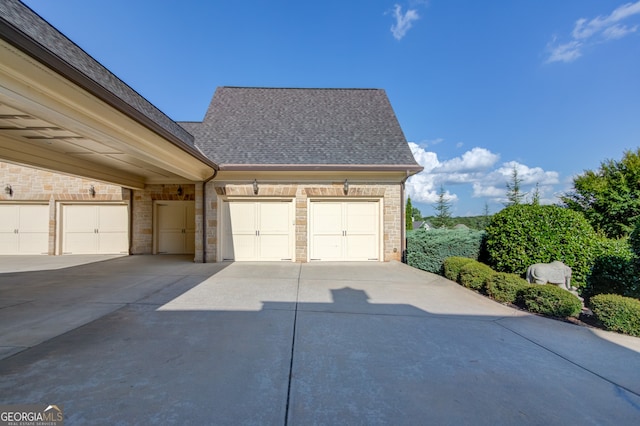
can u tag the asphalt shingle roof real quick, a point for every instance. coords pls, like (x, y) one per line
(289, 126)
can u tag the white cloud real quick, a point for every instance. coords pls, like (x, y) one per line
(602, 28)
(476, 168)
(404, 22)
(475, 160)
(618, 31)
(566, 52)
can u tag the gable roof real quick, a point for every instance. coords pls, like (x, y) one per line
(302, 129)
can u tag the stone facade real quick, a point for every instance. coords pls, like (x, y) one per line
(36, 186)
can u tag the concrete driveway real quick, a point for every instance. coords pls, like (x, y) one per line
(160, 340)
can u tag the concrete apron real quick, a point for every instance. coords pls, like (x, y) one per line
(152, 339)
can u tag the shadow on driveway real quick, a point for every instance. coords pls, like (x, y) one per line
(322, 344)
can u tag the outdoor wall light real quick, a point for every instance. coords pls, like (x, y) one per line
(345, 188)
(180, 190)
(255, 187)
(92, 191)
(8, 190)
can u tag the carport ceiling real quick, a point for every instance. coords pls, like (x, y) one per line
(34, 141)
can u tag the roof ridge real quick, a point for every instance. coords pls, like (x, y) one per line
(300, 88)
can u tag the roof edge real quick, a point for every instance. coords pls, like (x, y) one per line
(25, 43)
(409, 168)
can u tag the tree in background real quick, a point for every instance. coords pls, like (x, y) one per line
(408, 215)
(443, 210)
(486, 216)
(515, 195)
(417, 214)
(535, 198)
(609, 197)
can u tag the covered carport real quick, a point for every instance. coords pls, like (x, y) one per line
(62, 111)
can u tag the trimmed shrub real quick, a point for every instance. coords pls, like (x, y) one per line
(548, 299)
(452, 265)
(614, 270)
(427, 250)
(617, 313)
(521, 235)
(474, 275)
(506, 288)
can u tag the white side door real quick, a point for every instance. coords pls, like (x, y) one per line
(175, 227)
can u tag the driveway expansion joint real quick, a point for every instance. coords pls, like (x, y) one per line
(600, 376)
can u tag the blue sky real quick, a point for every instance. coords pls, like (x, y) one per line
(550, 87)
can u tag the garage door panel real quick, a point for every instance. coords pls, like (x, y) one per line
(33, 243)
(9, 218)
(274, 247)
(243, 218)
(112, 219)
(78, 218)
(95, 229)
(244, 247)
(327, 219)
(257, 230)
(275, 218)
(79, 243)
(361, 247)
(326, 247)
(24, 229)
(112, 242)
(362, 218)
(34, 219)
(8, 243)
(345, 230)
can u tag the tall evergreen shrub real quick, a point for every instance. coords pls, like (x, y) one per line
(521, 235)
(427, 250)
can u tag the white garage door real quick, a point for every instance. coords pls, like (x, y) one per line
(95, 229)
(176, 227)
(262, 230)
(344, 230)
(24, 228)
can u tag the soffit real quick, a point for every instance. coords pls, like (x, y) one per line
(48, 122)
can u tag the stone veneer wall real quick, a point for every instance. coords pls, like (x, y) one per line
(33, 185)
(142, 240)
(389, 194)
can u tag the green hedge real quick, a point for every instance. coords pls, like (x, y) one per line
(617, 313)
(506, 288)
(521, 235)
(452, 265)
(551, 300)
(427, 250)
(474, 275)
(614, 270)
